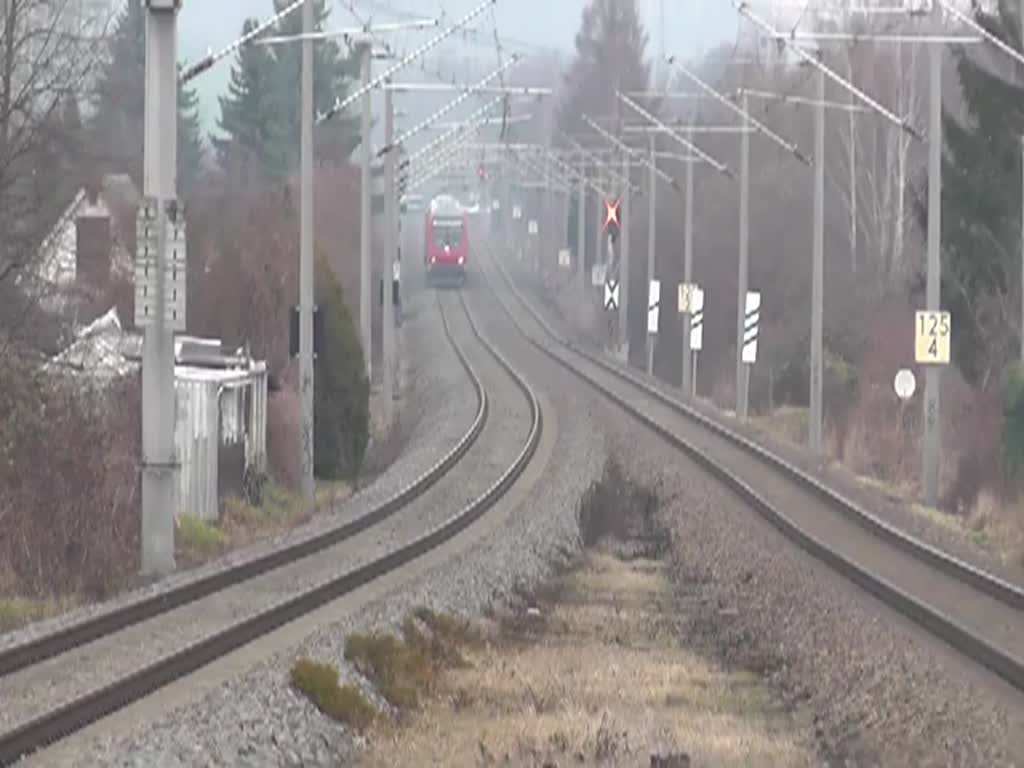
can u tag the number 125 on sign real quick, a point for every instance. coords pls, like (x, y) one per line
(931, 337)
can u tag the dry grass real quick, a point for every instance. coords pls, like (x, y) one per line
(999, 527)
(603, 682)
(992, 525)
(405, 668)
(344, 703)
(242, 524)
(17, 611)
(788, 424)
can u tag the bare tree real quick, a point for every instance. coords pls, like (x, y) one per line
(48, 52)
(868, 170)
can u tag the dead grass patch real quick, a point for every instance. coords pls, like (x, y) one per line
(604, 681)
(788, 423)
(404, 668)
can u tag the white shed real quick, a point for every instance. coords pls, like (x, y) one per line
(220, 432)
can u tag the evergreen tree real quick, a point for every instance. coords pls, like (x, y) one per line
(261, 115)
(610, 48)
(332, 73)
(341, 391)
(190, 138)
(118, 130)
(251, 120)
(981, 203)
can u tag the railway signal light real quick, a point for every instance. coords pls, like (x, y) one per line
(611, 217)
(611, 214)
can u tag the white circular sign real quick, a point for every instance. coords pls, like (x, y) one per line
(904, 384)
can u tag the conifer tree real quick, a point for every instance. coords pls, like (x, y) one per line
(332, 72)
(118, 130)
(981, 204)
(254, 128)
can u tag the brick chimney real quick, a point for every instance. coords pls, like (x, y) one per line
(93, 242)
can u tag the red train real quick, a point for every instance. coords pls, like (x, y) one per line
(447, 241)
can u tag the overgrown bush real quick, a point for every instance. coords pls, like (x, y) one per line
(399, 670)
(284, 429)
(1013, 424)
(619, 508)
(404, 668)
(69, 483)
(344, 703)
(341, 408)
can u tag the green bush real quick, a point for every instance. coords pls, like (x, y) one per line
(1013, 424)
(341, 408)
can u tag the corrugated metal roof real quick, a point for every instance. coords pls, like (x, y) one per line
(98, 351)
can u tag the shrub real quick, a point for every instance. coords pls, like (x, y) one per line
(284, 428)
(199, 539)
(341, 408)
(345, 704)
(398, 669)
(1013, 423)
(69, 483)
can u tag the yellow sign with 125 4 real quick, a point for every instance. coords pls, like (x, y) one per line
(932, 332)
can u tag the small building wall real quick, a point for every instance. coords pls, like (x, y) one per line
(221, 430)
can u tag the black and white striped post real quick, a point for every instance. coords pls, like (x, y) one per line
(653, 304)
(748, 355)
(691, 305)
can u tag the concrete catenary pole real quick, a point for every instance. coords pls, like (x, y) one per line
(1020, 18)
(365, 235)
(932, 431)
(306, 257)
(688, 272)
(818, 268)
(388, 260)
(652, 222)
(741, 282)
(159, 460)
(624, 262)
(581, 247)
(600, 254)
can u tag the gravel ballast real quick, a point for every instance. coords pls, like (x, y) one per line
(257, 720)
(434, 414)
(889, 507)
(884, 692)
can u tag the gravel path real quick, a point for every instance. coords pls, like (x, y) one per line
(31, 692)
(884, 693)
(890, 508)
(256, 720)
(436, 411)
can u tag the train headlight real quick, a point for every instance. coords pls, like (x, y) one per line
(462, 260)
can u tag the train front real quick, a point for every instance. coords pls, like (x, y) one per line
(447, 244)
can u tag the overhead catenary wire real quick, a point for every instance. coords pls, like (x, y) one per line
(742, 6)
(341, 104)
(633, 152)
(212, 58)
(724, 100)
(458, 130)
(447, 108)
(720, 167)
(965, 19)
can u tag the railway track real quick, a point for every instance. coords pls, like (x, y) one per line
(57, 722)
(977, 613)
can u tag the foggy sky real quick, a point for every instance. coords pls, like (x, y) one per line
(208, 24)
